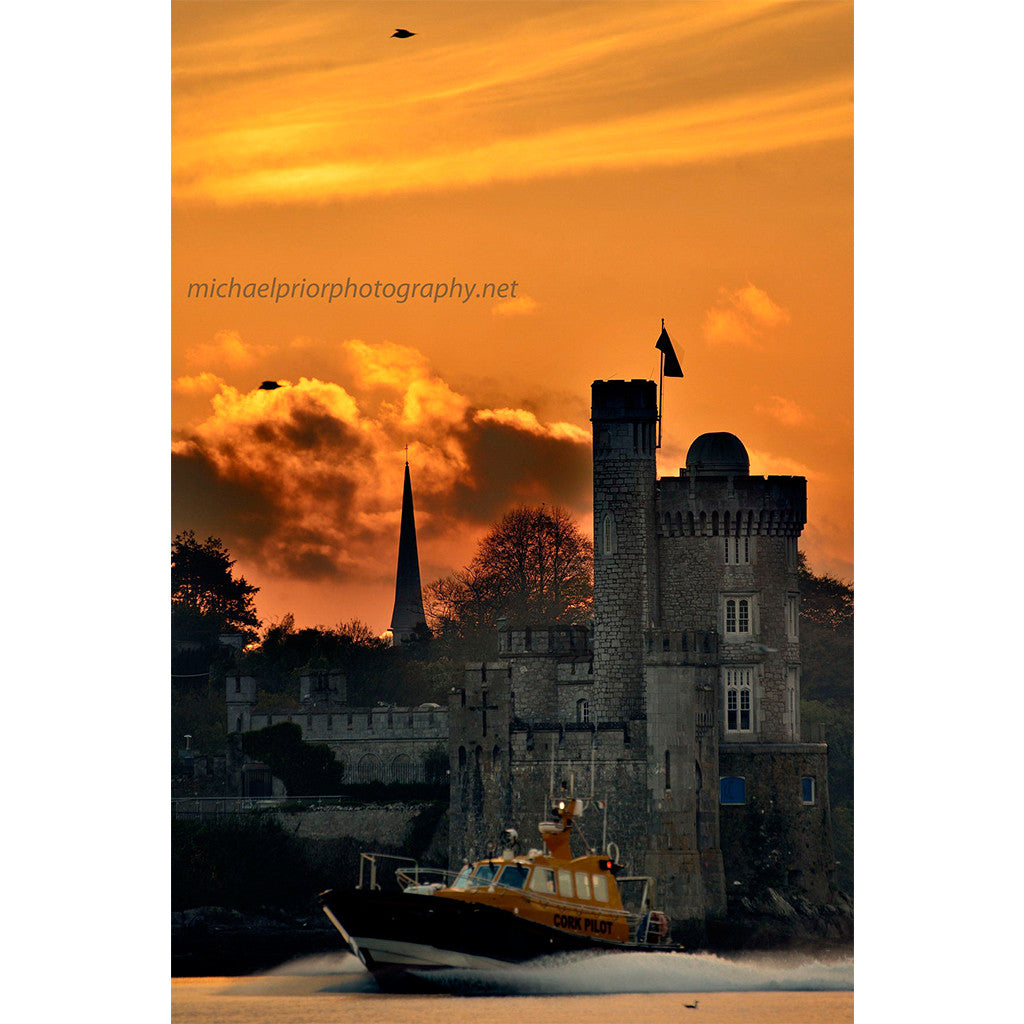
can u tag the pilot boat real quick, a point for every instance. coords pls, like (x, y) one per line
(498, 911)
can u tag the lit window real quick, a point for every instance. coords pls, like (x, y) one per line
(808, 789)
(583, 711)
(600, 888)
(732, 789)
(738, 689)
(737, 550)
(582, 885)
(565, 883)
(542, 880)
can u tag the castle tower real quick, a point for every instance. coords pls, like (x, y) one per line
(625, 416)
(408, 612)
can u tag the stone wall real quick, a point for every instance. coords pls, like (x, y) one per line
(774, 838)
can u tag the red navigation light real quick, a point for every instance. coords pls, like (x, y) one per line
(605, 865)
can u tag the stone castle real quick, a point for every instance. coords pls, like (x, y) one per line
(676, 716)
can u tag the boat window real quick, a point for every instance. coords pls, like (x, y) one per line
(462, 881)
(543, 880)
(565, 883)
(600, 888)
(513, 876)
(582, 885)
(485, 874)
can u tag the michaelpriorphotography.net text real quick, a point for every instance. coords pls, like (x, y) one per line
(328, 291)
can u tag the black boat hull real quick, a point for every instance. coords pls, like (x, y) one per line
(395, 932)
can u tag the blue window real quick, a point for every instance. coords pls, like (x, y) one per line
(807, 790)
(732, 790)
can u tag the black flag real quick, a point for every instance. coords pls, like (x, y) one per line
(664, 345)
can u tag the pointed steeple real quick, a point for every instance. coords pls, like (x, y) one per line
(408, 613)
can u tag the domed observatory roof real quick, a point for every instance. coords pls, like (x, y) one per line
(717, 454)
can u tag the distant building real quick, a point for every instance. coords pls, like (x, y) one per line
(381, 744)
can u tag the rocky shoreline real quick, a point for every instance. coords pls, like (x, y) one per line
(217, 941)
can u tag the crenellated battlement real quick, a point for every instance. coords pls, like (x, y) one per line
(680, 646)
(731, 506)
(546, 640)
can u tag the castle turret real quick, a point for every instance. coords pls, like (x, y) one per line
(240, 693)
(408, 616)
(625, 416)
(322, 690)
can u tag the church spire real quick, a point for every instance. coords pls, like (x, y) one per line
(408, 613)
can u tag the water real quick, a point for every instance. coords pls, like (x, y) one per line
(620, 988)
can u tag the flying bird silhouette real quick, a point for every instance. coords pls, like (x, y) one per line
(402, 33)
(268, 385)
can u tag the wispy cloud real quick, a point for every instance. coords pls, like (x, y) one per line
(743, 317)
(226, 350)
(312, 105)
(520, 306)
(769, 464)
(785, 411)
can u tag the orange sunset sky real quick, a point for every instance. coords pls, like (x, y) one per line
(620, 162)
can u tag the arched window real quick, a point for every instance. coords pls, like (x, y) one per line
(668, 769)
(402, 769)
(368, 769)
(462, 757)
(583, 711)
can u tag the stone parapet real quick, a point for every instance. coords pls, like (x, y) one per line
(680, 647)
(690, 506)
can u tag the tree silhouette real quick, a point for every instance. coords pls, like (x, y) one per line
(533, 567)
(206, 597)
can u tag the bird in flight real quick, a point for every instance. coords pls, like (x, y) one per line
(402, 33)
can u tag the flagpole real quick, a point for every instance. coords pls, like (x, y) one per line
(661, 386)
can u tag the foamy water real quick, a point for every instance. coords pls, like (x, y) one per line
(616, 988)
(605, 973)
